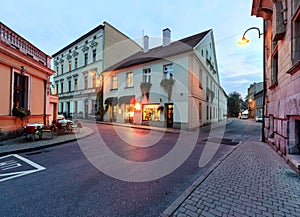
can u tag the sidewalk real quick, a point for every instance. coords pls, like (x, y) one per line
(16, 145)
(251, 181)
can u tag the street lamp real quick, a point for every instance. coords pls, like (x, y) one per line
(244, 41)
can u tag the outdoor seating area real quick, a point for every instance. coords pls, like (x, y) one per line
(33, 131)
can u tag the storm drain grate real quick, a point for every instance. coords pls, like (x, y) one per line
(223, 141)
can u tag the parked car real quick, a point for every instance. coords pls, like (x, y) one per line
(243, 116)
(60, 117)
(258, 118)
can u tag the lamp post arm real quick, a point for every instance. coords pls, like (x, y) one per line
(259, 33)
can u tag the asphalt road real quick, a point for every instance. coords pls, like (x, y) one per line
(83, 179)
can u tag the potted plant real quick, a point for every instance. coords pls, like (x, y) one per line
(21, 113)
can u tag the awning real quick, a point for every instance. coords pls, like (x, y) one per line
(127, 99)
(111, 100)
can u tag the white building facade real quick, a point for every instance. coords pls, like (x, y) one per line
(78, 68)
(174, 85)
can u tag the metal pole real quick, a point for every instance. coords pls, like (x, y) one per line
(264, 84)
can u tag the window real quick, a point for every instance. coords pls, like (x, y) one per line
(75, 107)
(147, 75)
(94, 80)
(296, 33)
(76, 84)
(70, 65)
(61, 107)
(200, 111)
(168, 71)
(114, 82)
(61, 87)
(274, 70)
(85, 82)
(151, 112)
(57, 69)
(129, 79)
(56, 88)
(76, 63)
(62, 68)
(86, 59)
(69, 86)
(94, 55)
(20, 91)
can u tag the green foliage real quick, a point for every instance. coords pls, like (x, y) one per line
(234, 103)
(20, 112)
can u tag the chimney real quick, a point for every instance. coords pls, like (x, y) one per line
(166, 37)
(146, 43)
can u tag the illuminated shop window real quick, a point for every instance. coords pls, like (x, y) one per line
(151, 112)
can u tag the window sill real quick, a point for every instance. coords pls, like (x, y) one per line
(273, 86)
(129, 87)
(113, 89)
(295, 68)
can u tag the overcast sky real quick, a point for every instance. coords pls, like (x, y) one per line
(51, 25)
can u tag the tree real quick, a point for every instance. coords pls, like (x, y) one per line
(234, 104)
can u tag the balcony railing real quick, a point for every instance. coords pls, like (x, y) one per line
(14, 40)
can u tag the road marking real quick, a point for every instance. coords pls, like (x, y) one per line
(13, 166)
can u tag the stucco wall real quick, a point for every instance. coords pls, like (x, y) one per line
(5, 89)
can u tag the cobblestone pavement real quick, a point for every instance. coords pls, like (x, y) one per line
(252, 181)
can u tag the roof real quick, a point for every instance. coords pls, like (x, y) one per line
(79, 39)
(178, 47)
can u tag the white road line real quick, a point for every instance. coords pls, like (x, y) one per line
(11, 164)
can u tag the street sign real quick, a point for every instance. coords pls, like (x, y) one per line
(13, 166)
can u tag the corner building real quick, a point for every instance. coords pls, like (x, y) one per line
(25, 82)
(282, 58)
(79, 65)
(174, 85)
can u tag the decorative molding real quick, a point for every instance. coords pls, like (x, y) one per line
(75, 53)
(85, 48)
(69, 56)
(93, 44)
(61, 61)
(56, 62)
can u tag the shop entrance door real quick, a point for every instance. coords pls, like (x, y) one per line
(169, 114)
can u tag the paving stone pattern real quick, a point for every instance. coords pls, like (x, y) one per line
(251, 181)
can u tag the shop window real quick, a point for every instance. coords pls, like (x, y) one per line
(151, 112)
